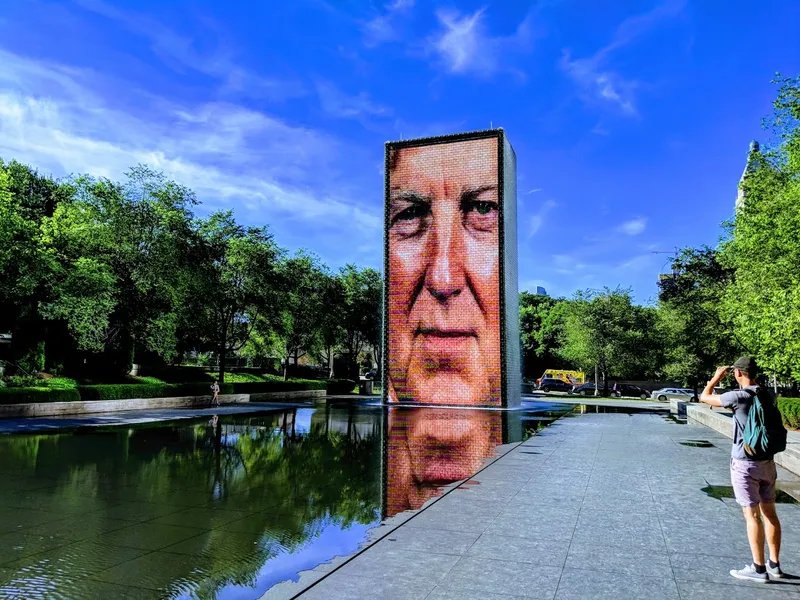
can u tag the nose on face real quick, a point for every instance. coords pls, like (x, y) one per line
(444, 276)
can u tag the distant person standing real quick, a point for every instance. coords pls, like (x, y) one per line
(753, 480)
(215, 392)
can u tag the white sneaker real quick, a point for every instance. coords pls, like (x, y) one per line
(749, 573)
(775, 573)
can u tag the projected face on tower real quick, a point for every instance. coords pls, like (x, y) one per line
(443, 218)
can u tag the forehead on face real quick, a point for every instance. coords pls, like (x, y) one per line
(458, 165)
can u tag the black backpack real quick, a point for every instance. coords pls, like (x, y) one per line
(764, 434)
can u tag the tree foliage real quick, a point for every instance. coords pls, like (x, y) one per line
(698, 336)
(763, 300)
(605, 329)
(541, 328)
(237, 283)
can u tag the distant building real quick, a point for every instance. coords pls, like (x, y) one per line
(666, 281)
(541, 291)
(748, 168)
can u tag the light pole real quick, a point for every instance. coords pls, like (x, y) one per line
(596, 391)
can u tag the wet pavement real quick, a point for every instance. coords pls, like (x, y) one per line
(597, 505)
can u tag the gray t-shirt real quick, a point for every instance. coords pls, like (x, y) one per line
(740, 402)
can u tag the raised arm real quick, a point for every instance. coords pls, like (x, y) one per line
(708, 396)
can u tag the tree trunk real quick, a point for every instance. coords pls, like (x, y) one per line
(330, 362)
(286, 367)
(379, 358)
(223, 352)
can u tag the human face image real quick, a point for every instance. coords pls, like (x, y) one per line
(444, 273)
(428, 448)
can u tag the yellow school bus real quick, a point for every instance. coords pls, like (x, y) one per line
(573, 377)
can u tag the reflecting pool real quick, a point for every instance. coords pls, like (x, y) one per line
(225, 507)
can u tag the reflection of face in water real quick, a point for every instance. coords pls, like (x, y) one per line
(432, 447)
(444, 273)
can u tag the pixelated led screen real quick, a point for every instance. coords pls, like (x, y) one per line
(428, 448)
(443, 282)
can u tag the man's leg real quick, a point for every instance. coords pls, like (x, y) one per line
(755, 533)
(772, 527)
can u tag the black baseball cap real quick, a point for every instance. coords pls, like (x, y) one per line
(746, 364)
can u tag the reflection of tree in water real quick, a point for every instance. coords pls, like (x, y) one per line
(298, 483)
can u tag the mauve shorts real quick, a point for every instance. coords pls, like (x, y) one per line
(753, 481)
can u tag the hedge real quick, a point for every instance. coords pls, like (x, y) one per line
(124, 391)
(37, 394)
(252, 387)
(790, 410)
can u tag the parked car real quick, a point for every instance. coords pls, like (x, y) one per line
(626, 389)
(554, 385)
(585, 389)
(665, 394)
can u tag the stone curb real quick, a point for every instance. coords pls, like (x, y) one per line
(720, 421)
(86, 407)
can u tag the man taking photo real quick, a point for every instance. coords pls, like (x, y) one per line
(753, 480)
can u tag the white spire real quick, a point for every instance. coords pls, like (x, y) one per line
(748, 168)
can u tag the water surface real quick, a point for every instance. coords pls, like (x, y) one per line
(228, 507)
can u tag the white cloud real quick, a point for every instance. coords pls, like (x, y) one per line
(340, 105)
(597, 81)
(401, 5)
(634, 226)
(599, 84)
(179, 53)
(383, 28)
(464, 45)
(51, 118)
(637, 264)
(537, 220)
(533, 191)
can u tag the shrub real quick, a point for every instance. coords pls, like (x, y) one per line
(29, 395)
(790, 410)
(148, 390)
(279, 385)
(60, 383)
(22, 381)
(340, 386)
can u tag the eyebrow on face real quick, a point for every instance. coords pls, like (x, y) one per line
(412, 197)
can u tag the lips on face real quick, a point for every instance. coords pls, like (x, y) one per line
(444, 301)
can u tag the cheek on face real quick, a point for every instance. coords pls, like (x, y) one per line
(444, 306)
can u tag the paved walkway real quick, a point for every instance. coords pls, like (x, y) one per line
(596, 506)
(133, 417)
(592, 401)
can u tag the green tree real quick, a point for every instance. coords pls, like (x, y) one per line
(541, 326)
(698, 336)
(361, 314)
(332, 317)
(605, 329)
(763, 300)
(26, 200)
(302, 307)
(237, 283)
(133, 234)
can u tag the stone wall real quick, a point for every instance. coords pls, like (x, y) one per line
(721, 421)
(54, 409)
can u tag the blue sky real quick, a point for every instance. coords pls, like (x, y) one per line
(630, 119)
